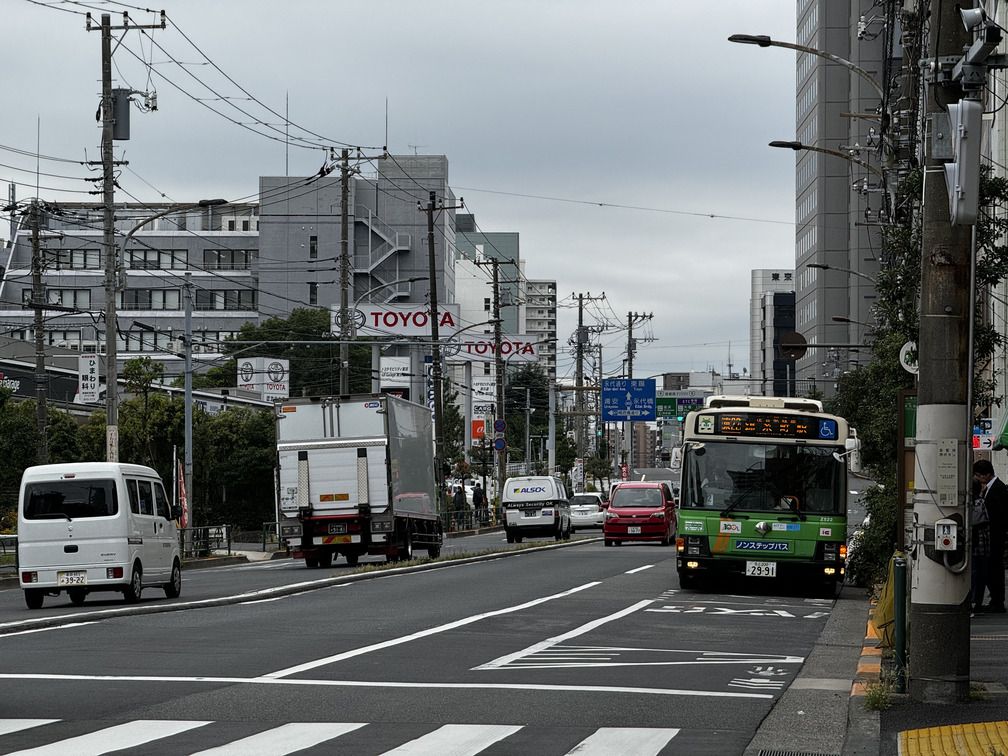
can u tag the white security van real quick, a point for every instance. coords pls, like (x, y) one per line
(95, 526)
(535, 505)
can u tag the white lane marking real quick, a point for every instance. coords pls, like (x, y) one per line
(7, 726)
(639, 569)
(263, 601)
(455, 740)
(605, 689)
(578, 657)
(640, 741)
(129, 735)
(44, 629)
(288, 738)
(422, 633)
(502, 661)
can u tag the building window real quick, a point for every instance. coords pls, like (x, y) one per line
(245, 225)
(228, 259)
(225, 299)
(313, 293)
(313, 247)
(231, 225)
(155, 259)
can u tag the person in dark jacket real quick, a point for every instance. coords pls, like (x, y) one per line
(459, 506)
(995, 497)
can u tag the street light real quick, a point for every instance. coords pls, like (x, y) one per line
(762, 40)
(825, 266)
(795, 145)
(111, 369)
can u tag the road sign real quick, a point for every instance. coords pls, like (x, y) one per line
(793, 345)
(499, 444)
(628, 399)
(499, 425)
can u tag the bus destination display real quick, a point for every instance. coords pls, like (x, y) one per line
(775, 426)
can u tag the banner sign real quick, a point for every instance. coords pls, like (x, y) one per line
(395, 372)
(267, 377)
(398, 320)
(87, 380)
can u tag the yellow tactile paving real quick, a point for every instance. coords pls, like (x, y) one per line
(971, 739)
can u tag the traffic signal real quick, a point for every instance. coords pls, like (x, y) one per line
(962, 175)
(680, 418)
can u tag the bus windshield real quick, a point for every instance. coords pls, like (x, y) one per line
(763, 477)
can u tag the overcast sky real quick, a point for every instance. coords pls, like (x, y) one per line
(640, 103)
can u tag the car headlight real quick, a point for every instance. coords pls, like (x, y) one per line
(610, 515)
(657, 515)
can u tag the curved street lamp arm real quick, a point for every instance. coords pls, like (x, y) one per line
(836, 153)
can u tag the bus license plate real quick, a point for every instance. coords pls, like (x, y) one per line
(761, 569)
(633, 530)
(75, 577)
(337, 528)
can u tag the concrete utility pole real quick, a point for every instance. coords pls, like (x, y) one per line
(38, 303)
(432, 207)
(187, 472)
(499, 375)
(579, 342)
(108, 236)
(345, 272)
(939, 606)
(633, 318)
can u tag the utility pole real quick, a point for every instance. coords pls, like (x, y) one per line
(499, 375)
(633, 318)
(940, 579)
(579, 339)
(432, 207)
(108, 236)
(345, 272)
(187, 392)
(38, 303)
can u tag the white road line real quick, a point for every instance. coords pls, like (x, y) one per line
(421, 634)
(129, 735)
(7, 726)
(288, 738)
(503, 661)
(45, 629)
(640, 741)
(455, 740)
(639, 569)
(603, 689)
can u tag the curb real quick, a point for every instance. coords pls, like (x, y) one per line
(864, 725)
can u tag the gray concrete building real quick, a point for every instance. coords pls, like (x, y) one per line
(771, 315)
(837, 202)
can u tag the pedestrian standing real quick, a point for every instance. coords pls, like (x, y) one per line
(995, 498)
(979, 546)
(459, 505)
(479, 502)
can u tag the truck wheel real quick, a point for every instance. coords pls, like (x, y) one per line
(76, 595)
(311, 562)
(352, 558)
(406, 552)
(132, 591)
(34, 597)
(173, 587)
(433, 552)
(325, 559)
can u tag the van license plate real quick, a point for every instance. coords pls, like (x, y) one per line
(530, 513)
(337, 528)
(633, 530)
(761, 569)
(75, 577)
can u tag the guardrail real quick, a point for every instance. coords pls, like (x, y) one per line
(8, 548)
(204, 540)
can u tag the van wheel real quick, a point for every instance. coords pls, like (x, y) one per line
(510, 536)
(518, 537)
(34, 597)
(351, 559)
(76, 595)
(173, 587)
(132, 591)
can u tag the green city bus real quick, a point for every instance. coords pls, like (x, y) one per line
(763, 491)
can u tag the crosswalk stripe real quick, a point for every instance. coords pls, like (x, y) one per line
(8, 726)
(129, 735)
(285, 739)
(455, 740)
(640, 741)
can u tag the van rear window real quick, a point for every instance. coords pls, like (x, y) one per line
(70, 499)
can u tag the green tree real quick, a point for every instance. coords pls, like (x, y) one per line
(530, 377)
(18, 442)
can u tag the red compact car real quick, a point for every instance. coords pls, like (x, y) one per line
(640, 511)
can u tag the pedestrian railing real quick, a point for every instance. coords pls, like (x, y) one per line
(204, 540)
(470, 519)
(8, 552)
(269, 535)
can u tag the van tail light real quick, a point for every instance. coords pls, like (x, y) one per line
(29, 577)
(113, 573)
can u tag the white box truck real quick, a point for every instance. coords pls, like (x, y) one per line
(356, 476)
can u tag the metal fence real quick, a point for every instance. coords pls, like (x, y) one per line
(204, 540)
(8, 553)
(470, 519)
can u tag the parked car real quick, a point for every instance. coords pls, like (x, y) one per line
(587, 510)
(640, 511)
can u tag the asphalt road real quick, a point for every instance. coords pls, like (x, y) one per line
(543, 652)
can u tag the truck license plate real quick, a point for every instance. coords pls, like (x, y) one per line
(72, 577)
(633, 530)
(761, 569)
(337, 528)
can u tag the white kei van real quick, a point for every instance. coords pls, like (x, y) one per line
(535, 505)
(95, 526)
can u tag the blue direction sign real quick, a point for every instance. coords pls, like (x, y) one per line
(628, 399)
